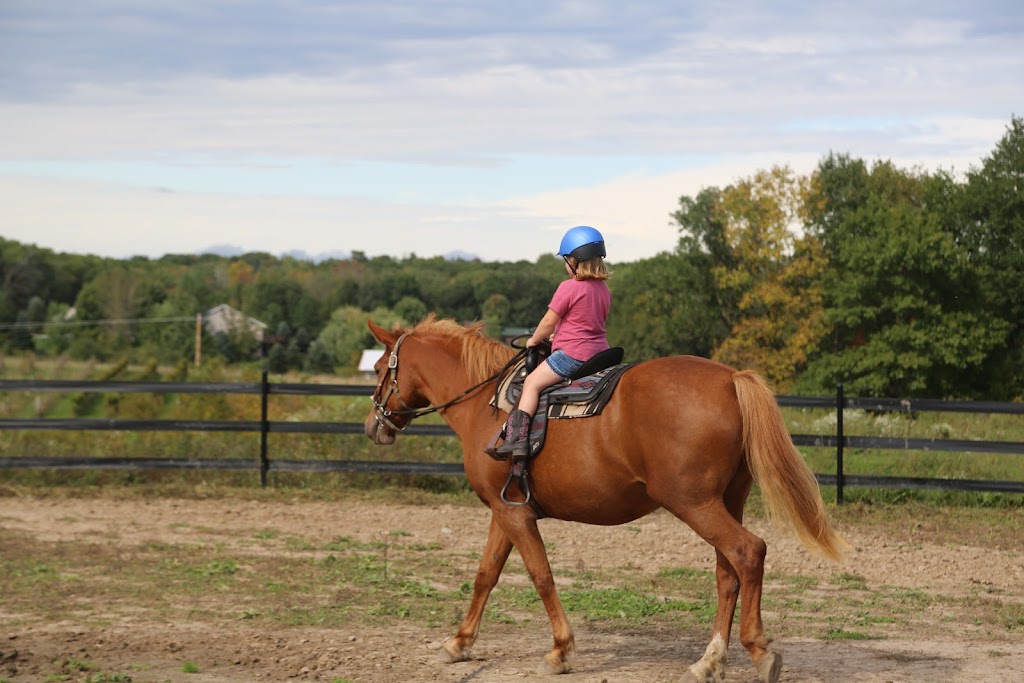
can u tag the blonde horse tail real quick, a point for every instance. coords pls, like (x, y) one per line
(790, 490)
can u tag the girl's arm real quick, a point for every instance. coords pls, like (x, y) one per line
(545, 329)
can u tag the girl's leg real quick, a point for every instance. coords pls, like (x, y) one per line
(517, 437)
(541, 377)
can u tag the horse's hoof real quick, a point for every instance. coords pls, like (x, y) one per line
(548, 668)
(770, 666)
(555, 664)
(704, 672)
(691, 677)
(452, 652)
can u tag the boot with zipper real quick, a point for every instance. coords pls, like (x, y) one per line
(517, 433)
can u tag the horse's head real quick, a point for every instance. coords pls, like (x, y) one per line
(397, 398)
(455, 361)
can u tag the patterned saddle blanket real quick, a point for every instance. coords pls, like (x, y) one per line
(583, 397)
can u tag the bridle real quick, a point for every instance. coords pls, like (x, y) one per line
(380, 399)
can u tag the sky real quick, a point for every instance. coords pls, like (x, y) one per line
(319, 128)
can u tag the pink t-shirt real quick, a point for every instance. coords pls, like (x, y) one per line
(583, 307)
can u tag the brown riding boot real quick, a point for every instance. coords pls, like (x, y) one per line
(517, 432)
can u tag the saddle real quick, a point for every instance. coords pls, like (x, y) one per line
(585, 394)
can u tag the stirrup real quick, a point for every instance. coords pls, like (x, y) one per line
(509, 448)
(524, 484)
(505, 449)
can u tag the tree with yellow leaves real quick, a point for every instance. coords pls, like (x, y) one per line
(773, 276)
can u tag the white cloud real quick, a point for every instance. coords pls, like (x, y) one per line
(931, 33)
(627, 89)
(632, 211)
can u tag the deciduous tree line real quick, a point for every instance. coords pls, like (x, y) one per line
(895, 282)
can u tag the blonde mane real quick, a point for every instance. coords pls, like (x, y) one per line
(481, 356)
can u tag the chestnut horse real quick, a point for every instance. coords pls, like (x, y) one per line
(682, 433)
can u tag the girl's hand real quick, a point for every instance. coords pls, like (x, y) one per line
(545, 329)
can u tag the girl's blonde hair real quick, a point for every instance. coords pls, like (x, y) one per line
(592, 269)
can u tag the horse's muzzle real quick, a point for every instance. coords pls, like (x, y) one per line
(378, 432)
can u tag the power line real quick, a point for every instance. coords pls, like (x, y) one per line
(92, 323)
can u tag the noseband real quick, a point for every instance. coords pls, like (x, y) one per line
(380, 398)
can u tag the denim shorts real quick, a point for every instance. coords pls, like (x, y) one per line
(563, 365)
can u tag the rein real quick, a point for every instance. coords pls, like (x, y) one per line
(383, 415)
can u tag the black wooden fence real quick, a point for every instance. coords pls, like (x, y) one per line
(265, 427)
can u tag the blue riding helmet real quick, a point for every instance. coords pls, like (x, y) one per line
(582, 243)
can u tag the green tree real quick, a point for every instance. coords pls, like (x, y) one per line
(410, 309)
(116, 297)
(318, 360)
(901, 294)
(664, 306)
(278, 298)
(456, 300)
(277, 359)
(387, 288)
(240, 275)
(772, 274)
(347, 335)
(293, 354)
(992, 221)
(36, 310)
(18, 338)
(495, 312)
(670, 304)
(234, 346)
(25, 272)
(56, 337)
(169, 341)
(530, 286)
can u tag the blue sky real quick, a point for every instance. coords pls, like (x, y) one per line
(153, 127)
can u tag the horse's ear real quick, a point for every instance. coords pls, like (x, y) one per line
(380, 334)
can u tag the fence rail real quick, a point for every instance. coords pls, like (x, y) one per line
(263, 464)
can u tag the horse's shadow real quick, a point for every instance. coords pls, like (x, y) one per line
(636, 657)
(606, 656)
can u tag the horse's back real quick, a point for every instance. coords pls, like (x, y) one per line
(688, 391)
(672, 422)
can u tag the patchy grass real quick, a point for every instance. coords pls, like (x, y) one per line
(79, 671)
(842, 634)
(294, 580)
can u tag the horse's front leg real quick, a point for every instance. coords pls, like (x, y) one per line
(496, 552)
(521, 527)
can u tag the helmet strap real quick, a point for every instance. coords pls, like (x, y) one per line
(566, 259)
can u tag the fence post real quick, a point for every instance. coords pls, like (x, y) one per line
(264, 429)
(840, 440)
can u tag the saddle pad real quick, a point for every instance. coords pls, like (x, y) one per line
(586, 396)
(508, 391)
(583, 397)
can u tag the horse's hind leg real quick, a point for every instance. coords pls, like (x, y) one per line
(727, 582)
(496, 552)
(711, 667)
(743, 554)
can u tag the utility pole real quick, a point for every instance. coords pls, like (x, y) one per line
(199, 338)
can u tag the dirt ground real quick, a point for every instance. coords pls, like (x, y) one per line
(236, 651)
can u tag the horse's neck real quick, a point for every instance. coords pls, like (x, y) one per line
(445, 379)
(443, 375)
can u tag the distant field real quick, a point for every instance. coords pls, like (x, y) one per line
(910, 463)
